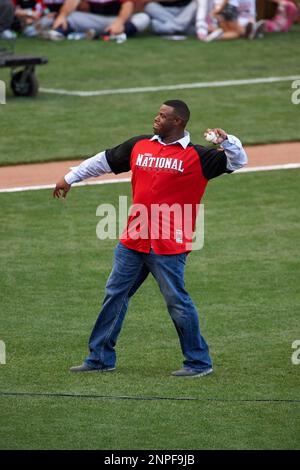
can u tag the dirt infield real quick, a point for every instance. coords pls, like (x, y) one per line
(48, 173)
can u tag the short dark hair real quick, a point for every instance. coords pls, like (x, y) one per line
(181, 109)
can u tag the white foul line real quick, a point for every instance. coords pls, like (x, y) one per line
(180, 86)
(287, 166)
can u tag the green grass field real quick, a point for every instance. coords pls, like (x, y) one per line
(245, 283)
(55, 127)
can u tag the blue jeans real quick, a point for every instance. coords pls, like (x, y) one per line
(129, 271)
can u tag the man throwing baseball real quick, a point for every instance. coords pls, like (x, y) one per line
(167, 171)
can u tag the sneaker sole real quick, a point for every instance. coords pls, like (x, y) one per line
(200, 374)
(92, 370)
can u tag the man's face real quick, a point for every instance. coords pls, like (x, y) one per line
(165, 121)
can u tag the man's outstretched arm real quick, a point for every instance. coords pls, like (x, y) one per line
(114, 160)
(94, 166)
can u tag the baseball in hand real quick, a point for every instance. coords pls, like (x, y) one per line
(211, 137)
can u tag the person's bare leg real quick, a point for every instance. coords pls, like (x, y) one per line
(232, 30)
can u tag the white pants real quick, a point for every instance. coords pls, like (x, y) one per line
(81, 22)
(171, 20)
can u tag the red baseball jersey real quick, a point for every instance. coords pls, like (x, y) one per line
(168, 182)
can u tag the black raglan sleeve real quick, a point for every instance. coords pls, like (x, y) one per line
(212, 160)
(118, 157)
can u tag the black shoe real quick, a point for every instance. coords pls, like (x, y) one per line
(249, 30)
(257, 30)
(85, 368)
(188, 372)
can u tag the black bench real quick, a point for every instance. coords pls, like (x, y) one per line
(23, 82)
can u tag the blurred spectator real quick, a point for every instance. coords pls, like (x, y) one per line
(33, 17)
(247, 15)
(227, 14)
(27, 12)
(285, 16)
(205, 23)
(172, 17)
(111, 17)
(235, 19)
(6, 19)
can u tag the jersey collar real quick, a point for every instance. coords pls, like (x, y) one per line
(184, 141)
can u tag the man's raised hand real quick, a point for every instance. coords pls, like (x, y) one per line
(217, 135)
